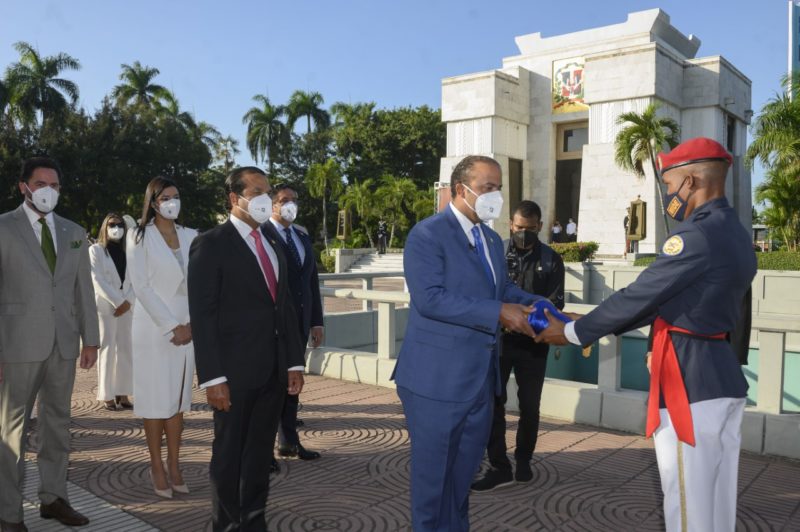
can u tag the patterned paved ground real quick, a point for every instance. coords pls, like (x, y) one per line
(587, 479)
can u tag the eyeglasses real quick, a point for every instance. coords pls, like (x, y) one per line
(120, 225)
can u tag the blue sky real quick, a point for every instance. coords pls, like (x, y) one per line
(215, 55)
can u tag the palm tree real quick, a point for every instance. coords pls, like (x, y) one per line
(227, 149)
(4, 97)
(34, 84)
(640, 140)
(397, 196)
(324, 181)
(137, 87)
(265, 131)
(360, 197)
(776, 132)
(308, 104)
(780, 191)
(170, 107)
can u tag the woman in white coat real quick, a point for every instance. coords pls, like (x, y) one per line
(163, 357)
(114, 298)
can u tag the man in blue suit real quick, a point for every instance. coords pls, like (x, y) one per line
(304, 291)
(447, 372)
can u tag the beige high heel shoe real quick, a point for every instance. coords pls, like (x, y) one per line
(180, 488)
(164, 494)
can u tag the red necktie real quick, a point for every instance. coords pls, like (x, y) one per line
(266, 264)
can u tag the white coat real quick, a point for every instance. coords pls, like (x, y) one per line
(114, 362)
(162, 372)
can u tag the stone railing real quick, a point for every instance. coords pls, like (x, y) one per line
(366, 279)
(766, 428)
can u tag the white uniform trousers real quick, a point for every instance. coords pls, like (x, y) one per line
(699, 483)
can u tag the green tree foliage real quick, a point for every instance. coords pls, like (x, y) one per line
(137, 87)
(266, 134)
(780, 192)
(35, 85)
(308, 105)
(405, 142)
(776, 145)
(642, 136)
(377, 163)
(109, 157)
(324, 182)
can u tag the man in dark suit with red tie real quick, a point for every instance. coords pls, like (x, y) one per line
(301, 269)
(248, 348)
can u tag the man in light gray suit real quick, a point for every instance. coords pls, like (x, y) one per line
(47, 307)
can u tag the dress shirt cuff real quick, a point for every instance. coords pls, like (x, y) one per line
(297, 368)
(569, 332)
(212, 382)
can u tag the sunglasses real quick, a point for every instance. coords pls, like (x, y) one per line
(120, 225)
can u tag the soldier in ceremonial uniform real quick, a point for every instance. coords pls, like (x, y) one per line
(692, 294)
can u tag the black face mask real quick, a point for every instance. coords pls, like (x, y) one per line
(524, 239)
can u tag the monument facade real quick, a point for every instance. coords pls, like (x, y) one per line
(549, 117)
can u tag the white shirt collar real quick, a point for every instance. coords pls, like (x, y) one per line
(279, 226)
(466, 223)
(34, 216)
(242, 226)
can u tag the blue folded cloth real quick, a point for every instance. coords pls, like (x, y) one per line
(537, 318)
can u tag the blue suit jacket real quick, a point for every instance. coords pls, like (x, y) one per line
(303, 281)
(453, 325)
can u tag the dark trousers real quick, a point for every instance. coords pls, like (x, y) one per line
(529, 362)
(287, 430)
(241, 454)
(287, 435)
(447, 443)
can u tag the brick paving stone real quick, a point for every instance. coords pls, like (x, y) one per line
(586, 478)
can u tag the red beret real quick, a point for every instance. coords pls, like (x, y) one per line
(692, 151)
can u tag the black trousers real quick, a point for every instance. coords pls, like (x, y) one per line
(528, 360)
(287, 434)
(241, 454)
(287, 430)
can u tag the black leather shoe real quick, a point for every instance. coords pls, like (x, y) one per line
(493, 479)
(274, 467)
(298, 451)
(61, 511)
(6, 526)
(523, 472)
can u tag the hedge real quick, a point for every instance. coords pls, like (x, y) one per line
(775, 260)
(575, 251)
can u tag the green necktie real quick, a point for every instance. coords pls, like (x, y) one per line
(48, 248)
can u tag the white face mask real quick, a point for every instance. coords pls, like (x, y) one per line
(115, 233)
(487, 206)
(289, 211)
(170, 209)
(259, 208)
(44, 199)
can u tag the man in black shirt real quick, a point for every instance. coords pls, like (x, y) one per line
(537, 269)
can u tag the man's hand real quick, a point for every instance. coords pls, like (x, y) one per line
(514, 317)
(647, 358)
(122, 309)
(88, 357)
(218, 397)
(554, 333)
(295, 382)
(181, 335)
(317, 334)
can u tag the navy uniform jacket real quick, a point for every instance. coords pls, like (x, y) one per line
(697, 283)
(303, 281)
